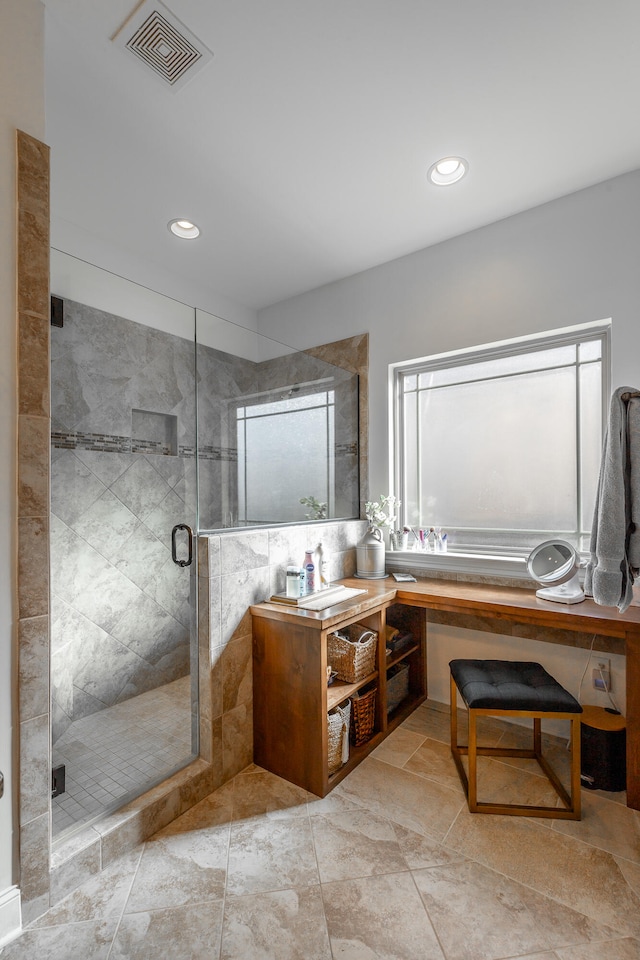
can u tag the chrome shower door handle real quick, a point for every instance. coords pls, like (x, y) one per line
(174, 545)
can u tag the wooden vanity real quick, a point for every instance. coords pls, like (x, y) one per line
(291, 697)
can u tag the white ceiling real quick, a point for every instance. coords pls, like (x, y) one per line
(301, 149)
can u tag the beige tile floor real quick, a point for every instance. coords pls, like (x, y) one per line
(390, 865)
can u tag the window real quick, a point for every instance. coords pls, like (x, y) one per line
(500, 446)
(286, 452)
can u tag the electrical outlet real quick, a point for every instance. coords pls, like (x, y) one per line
(602, 676)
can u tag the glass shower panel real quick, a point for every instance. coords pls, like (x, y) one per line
(277, 431)
(123, 474)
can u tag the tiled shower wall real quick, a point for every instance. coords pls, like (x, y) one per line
(123, 473)
(123, 401)
(225, 380)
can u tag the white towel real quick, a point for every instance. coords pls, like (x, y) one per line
(609, 576)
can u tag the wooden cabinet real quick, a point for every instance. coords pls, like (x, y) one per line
(291, 698)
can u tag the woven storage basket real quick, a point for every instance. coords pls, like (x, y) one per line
(351, 652)
(363, 716)
(338, 741)
(397, 685)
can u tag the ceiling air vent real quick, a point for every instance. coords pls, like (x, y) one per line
(164, 44)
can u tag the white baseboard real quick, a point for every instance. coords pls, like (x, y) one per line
(10, 915)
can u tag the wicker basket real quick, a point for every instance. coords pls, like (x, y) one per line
(363, 716)
(351, 652)
(397, 685)
(338, 745)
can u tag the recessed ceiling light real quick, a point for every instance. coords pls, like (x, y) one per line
(448, 170)
(184, 229)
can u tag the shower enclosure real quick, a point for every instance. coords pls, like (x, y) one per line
(166, 421)
(123, 475)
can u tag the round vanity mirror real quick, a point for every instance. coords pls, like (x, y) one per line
(555, 564)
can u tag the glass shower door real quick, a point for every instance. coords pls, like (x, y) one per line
(123, 596)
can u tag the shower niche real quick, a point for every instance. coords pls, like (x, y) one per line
(154, 433)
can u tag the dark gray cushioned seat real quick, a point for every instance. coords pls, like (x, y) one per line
(511, 685)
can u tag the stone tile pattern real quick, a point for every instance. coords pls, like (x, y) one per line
(32, 323)
(390, 865)
(225, 380)
(114, 754)
(236, 570)
(121, 609)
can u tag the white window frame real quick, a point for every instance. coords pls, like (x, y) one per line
(503, 562)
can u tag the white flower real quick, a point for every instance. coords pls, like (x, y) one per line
(382, 512)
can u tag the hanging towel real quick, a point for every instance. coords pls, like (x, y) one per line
(609, 576)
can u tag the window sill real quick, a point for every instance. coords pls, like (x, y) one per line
(455, 564)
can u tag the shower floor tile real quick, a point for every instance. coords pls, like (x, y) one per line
(113, 754)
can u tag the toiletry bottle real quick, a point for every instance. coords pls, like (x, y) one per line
(322, 566)
(310, 568)
(293, 580)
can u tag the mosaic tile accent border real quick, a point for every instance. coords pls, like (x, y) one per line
(108, 443)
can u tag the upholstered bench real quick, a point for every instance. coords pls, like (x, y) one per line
(508, 688)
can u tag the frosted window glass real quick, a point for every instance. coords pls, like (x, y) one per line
(499, 366)
(288, 401)
(591, 350)
(590, 438)
(496, 450)
(298, 439)
(409, 495)
(500, 453)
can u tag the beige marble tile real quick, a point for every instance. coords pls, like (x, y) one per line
(181, 868)
(214, 811)
(83, 861)
(479, 914)
(355, 844)
(125, 829)
(33, 653)
(34, 863)
(237, 592)
(398, 747)
(379, 917)
(33, 225)
(606, 825)
(429, 723)
(33, 567)
(237, 673)
(102, 896)
(284, 925)
(33, 365)
(33, 466)
(420, 851)
(36, 769)
(257, 792)
(267, 855)
(237, 740)
(78, 941)
(626, 949)
(189, 932)
(210, 686)
(433, 761)
(502, 783)
(565, 869)
(631, 872)
(551, 955)
(334, 802)
(421, 805)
